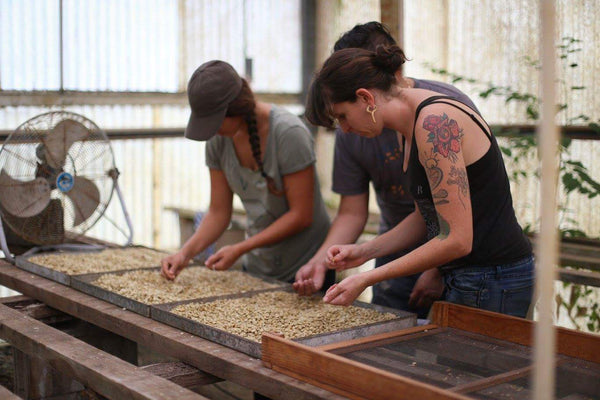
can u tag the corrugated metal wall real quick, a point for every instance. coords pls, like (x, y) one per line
(139, 45)
(155, 45)
(491, 41)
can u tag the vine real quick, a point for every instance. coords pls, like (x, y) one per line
(574, 176)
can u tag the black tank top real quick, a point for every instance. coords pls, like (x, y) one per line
(497, 236)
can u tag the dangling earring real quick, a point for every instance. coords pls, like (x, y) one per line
(371, 109)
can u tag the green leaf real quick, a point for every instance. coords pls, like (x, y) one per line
(569, 182)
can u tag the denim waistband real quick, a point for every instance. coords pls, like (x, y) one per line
(447, 269)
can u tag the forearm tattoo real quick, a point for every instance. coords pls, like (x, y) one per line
(444, 227)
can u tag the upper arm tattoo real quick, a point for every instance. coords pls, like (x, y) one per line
(435, 176)
(445, 134)
(459, 178)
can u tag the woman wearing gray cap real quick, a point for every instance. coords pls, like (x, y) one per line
(265, 155)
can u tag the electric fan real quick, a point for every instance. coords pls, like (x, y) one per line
(57, 177)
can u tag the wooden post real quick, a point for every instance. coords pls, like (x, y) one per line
(391, 16)
(545, 333)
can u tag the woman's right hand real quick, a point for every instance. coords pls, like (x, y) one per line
(173, 264)
(310, 278)
(345, 256)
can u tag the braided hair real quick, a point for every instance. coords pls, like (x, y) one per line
(244, 104)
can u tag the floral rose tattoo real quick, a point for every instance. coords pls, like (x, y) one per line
(444, 134)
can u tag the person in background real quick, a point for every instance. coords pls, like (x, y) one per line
(457, 178)
(265, 155)
(357, 162)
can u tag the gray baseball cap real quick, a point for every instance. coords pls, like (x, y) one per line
(211, 88)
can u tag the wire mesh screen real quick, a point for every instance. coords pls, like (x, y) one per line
(55, 177)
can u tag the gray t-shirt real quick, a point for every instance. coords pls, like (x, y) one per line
(359, 160)
(289, 149)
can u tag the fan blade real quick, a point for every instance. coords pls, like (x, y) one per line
(23, 199)
(85, 197)
(59, 140)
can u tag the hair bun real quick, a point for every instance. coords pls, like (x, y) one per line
(388, 58)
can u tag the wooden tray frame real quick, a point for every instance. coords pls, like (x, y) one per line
(322, 367)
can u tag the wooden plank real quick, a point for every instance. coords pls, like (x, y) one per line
(42, 312)
(6, 394)
(492, 380)
(48, 98)
(348, 377)
(106, 374)
(18, 299)
(439, 313)
(517, 330)
(377, 340)
(578, 252)
(34, 309)
(579, 260)
(579, 277)
(210, 357)
(181, 374)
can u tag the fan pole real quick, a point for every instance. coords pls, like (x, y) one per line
(114, 174)
(4, 245)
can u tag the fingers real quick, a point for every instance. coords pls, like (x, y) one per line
(218, 262)
(413, 299)
(338, 296)
(304, 287)
(338, 258)
(331, 293)
(420, 299)
(332, 255)
(166, 271)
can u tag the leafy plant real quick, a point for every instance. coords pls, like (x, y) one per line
(574, 177)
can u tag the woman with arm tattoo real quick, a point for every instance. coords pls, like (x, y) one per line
(457, 178)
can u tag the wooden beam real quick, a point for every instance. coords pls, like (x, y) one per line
(181, 374)
(378, 339)
(107, 375)
(492, 380)
(207, 356)
(391, 14)
(579, 277)
(18, 299)
(14, 98)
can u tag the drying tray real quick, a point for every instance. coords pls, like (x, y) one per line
(84, 283)
(162, 313)
(23, 262)
(465, 353)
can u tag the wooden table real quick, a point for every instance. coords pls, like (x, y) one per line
(212, 358)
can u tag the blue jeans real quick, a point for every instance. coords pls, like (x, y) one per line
(395, 292)
(506, 289)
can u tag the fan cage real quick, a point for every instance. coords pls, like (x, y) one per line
(89, 158)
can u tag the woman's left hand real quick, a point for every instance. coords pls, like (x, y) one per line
(224, 258)
(345, 292)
